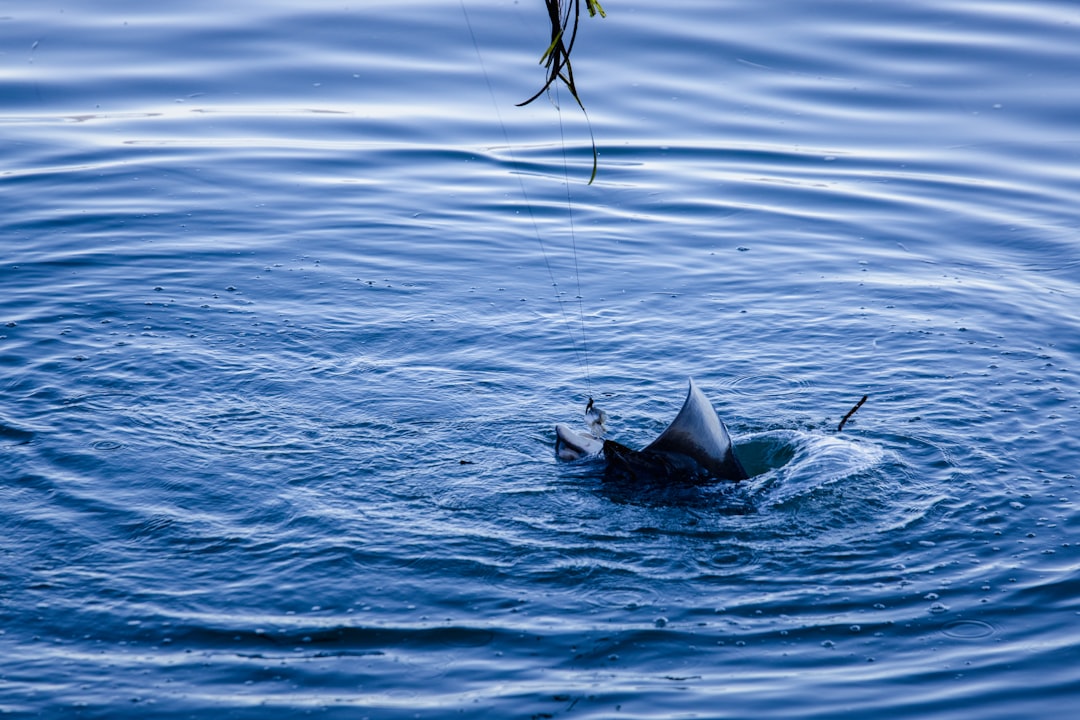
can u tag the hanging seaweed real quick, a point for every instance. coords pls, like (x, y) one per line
(564, 26)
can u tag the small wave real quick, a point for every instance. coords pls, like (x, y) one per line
(797, 462)
(821, 488)
(14, 435)
(758, 385)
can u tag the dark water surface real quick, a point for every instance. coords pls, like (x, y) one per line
(281, 359)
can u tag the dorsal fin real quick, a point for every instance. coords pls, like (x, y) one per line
(699, 433)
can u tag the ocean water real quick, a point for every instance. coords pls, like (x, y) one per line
(292, 296)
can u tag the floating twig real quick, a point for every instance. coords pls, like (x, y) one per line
(850, 413)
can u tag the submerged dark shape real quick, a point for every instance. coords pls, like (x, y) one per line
(695, 447)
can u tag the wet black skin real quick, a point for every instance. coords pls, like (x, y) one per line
(659, 466)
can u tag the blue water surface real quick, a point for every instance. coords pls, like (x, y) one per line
(293, 296)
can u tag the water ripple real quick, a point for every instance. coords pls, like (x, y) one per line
(286, 323)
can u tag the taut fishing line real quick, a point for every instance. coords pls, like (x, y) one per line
(582, 353)
(573, 243)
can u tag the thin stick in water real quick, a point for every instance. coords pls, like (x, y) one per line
(850, 413)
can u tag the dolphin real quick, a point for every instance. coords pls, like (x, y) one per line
(695, 447)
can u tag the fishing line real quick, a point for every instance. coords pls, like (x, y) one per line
(573, 241)
(582, 354)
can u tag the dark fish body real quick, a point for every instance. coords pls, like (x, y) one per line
(695, 447)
